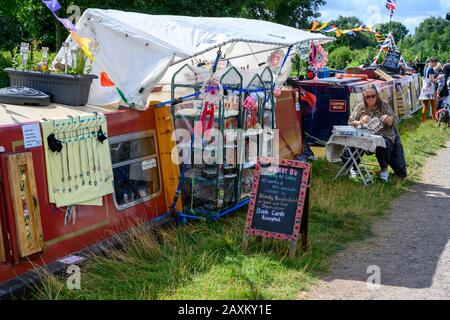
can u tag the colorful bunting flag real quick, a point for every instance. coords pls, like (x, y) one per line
(351, 32)
(314, 26)
(391, 5)
(53, 5)
(105, 81)
(67, 24)
(84, 45)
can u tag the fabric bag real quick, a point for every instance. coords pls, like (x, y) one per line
(428, 88)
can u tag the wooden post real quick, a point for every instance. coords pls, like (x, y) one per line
(305, 219)
(2, 246)
(245, 241)
(293, 249)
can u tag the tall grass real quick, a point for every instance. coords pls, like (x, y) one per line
(204, 260)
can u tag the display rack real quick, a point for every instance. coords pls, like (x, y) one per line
(209, 186)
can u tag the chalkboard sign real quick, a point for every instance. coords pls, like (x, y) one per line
(392, 60)
(279, 201)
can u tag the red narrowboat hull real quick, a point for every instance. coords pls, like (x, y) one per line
(93, 223)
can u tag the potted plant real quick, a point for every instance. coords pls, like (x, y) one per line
(65, 84)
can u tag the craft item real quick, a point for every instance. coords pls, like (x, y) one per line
(73, 56)
(66, 47)
(24, 51)
(275, 60)
(43, 65)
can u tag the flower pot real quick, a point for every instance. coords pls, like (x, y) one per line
(66, 89)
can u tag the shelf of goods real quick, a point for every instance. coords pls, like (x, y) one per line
(218, 176)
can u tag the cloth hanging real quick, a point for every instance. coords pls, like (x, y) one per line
(80, 173)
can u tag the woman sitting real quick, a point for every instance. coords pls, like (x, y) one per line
(392, 155)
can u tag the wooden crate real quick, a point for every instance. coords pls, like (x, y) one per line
(26, 204)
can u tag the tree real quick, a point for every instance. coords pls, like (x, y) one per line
(399, 31)
(294, 13)
(432, 38)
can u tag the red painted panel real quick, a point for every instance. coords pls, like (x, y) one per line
(93, 223)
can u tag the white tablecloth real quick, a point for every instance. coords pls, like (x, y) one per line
(337, 143)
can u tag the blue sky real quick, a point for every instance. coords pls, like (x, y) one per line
(371, 12)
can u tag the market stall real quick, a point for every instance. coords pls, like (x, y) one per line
(87, 171)
(338, 96)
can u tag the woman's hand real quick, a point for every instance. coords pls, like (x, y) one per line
(365, 120)
(387, 120)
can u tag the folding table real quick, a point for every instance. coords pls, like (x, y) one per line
(356, 146)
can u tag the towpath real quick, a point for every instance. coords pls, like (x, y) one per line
(410, 248)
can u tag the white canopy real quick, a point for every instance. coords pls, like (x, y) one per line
(137, 50)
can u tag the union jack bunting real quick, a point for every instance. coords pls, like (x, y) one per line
(391, 5)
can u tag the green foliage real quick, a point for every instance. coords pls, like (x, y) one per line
(294, 13)
(10, 32)
(5, 62)
(432, 38)
(38, 23)
(340, 57)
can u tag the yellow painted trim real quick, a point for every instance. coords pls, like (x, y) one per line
(76, 233)
(82, 231)
(16, 144)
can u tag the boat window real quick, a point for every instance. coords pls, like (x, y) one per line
(136, 169)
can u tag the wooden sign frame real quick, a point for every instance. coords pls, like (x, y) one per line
(302, 214)
(2, 246)
(25, 200)
(396, 53)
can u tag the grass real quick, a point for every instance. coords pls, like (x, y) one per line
(205, 260)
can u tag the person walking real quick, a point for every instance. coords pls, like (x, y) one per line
(428, 93)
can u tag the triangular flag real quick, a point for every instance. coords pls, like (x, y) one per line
(122, 95)
(105, 81)
(84, 44)
(314, 26)
(53, 5)
(323, 26)
(66, 23)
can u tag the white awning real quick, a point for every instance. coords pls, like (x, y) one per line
(136, 50)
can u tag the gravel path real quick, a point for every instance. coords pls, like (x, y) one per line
(411, 247)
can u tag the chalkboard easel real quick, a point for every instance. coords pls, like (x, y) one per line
(392, 61)
(279, 202)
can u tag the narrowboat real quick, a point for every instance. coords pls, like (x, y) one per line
(72, 177)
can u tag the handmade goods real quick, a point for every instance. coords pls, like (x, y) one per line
(78, 161)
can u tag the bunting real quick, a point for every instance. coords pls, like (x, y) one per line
(391, 5)
(105, 81)
(326, 28)
(84, 43)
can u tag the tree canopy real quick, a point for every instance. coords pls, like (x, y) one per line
(30, 19)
